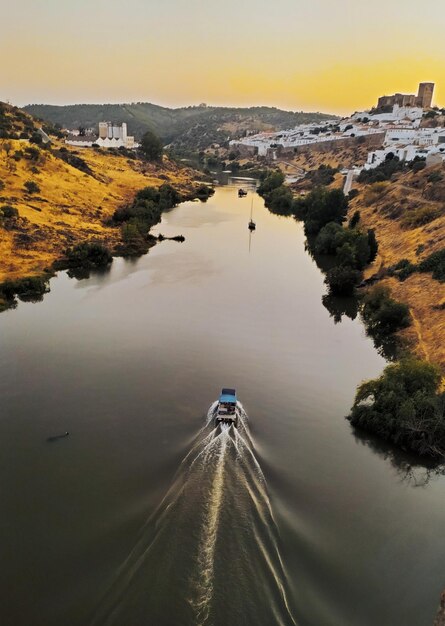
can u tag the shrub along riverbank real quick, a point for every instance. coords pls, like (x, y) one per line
(404, 405)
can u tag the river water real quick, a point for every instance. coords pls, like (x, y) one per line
(146, 515)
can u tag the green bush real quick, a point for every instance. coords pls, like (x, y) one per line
(435, 177)
(31, 187)
(417, 165)
(8, 212)
(323, 176)
(203, 192)
(320, 207)
(373, 245)
(29, 289)
(355, 219)
(402, 269)
(329, 239)
(351, 246)
(434, 263)
(383, 315)
(280, 201)
(36, 138)
(421, 216)
(353, 194)
(137, 218)
(404, 406)
(342, 280)
(88, 256)
(382, 172)
(272, 181)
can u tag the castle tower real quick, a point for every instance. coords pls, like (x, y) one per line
(425, 95)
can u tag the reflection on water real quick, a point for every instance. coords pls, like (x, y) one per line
(413, 470)
(339, 307)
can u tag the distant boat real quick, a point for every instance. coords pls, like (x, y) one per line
(242, 193)
(56, 437)
(252, 225)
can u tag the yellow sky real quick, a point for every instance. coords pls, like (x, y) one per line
(313, 55)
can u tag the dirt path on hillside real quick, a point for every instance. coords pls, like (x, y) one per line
(418, 329)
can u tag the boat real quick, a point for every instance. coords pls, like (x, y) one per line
(225, 412)
(251, 226)
(242, 193)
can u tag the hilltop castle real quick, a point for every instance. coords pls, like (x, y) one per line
(423, 99)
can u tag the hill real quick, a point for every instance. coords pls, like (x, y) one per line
(53, 197)
(192, 128)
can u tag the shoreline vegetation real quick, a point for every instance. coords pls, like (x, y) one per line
(405, 405)
(65, 208)
(134, 222)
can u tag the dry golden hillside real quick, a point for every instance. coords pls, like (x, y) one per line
(70, 205)
(408, 215)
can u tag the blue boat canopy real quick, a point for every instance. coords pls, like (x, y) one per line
(228, 396)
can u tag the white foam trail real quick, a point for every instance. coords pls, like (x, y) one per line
(219, 482)
(210, 530)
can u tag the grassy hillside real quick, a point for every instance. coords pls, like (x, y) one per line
(408, 215)
(52, 197)
(68, 205)
(407, 212)
(187, 127)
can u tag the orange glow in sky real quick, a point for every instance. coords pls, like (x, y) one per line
(314, 55)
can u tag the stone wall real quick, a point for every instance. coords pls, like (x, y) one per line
(369, 141)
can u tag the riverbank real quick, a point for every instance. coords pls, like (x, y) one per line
(66, 197)
(405, 208)
(408, 216)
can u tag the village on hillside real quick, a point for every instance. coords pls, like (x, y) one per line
(401, 125)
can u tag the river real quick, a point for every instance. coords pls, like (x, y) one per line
(146, 515)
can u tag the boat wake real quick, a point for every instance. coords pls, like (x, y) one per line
(209, 554)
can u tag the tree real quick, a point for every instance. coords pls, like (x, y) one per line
(373, 245)
(31, 187)
(342, 280)
(322, 206)
(272, 181)
(151, 146)
(404, 405)
(36, 138)
(382, 314)
(354, 219)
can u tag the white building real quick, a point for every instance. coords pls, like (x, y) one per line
(110, 135)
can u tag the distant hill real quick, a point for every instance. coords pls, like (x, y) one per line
(189, 127)
(16, 124)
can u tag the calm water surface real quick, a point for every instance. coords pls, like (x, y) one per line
(146, 515)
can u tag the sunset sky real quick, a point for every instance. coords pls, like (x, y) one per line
(312, 55)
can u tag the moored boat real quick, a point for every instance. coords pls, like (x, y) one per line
(225, 412)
